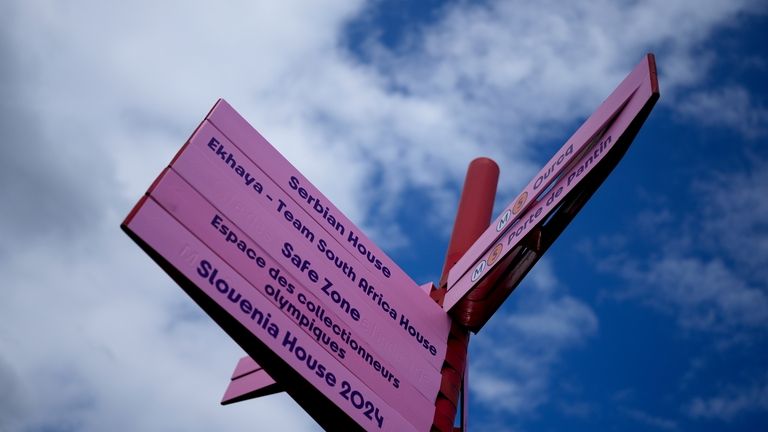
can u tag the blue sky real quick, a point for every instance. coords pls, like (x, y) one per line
(649, 313)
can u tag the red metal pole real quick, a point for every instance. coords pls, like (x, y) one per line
(472, 218)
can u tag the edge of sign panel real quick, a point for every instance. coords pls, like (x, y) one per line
(249, 381)
(560, 161)
(223, 294)
(245, 366)
(642, 86)
(280, 170)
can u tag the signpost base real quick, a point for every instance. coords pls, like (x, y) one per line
(302, 290)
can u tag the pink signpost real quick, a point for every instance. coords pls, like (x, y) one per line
(593, 142)
(322, 312)
(303, 262)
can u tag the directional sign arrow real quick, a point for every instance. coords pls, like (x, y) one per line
(496, 263)
(327, 315)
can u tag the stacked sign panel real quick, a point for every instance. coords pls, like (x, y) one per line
(238, 221)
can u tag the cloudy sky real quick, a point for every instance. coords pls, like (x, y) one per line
(649, 313)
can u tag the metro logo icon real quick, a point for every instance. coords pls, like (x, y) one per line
(503, 220)
(495, 254)
(481, 266)
(519, 203)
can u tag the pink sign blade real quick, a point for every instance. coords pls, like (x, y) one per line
(306, 254)
(573, 148)
(396, 306)
(606, 134)
(316, 379)
(552, 172)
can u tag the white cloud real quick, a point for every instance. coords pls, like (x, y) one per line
(731, 403)
(651, 420)
(731, 107)
(709, 270)
(513, 356)
(734, 219)
(103, 340)
(704, 294)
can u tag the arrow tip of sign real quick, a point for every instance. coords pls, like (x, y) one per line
(653, 74)
(252, 385)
